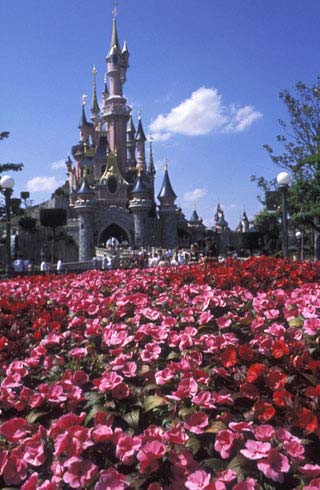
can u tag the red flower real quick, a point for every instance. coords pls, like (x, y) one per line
(263, 411)
(307, 420)
(229, 357)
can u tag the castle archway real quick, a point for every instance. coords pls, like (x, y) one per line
(113, 231)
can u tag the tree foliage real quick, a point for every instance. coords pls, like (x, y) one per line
(300, 142)
(9, 167)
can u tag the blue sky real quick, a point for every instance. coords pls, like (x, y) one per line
(206, 74)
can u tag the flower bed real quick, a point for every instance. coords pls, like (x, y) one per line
(199, 377)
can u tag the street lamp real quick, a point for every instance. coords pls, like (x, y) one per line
(300, 237)
(6, 187)
(283, 180)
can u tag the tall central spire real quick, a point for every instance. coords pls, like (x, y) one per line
(114, 37)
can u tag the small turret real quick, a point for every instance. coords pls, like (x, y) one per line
(131, 142)
(83, 119)
(166, 196)
(195, 220)
(140, 142)
(168, 213)
(95, 109)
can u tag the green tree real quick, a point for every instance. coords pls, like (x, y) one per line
(9, 167)
(300, 141)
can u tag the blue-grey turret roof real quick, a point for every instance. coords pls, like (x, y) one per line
(140, 136)
(130, 127)
(83, 120)
(101, 152)
(85, 188)
(166, 191)
(194, 217)
(139, 187)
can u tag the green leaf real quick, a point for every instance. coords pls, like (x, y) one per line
(312, 379)
(132, 418)
(94, 410)
(213, 464)
(154, 401)
(194, 444)
(238, 464)
(33, 416)
(185, 411)
(216, 427)
(296, 322)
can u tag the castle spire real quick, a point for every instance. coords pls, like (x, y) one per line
(114, 38)
(151, 168)
(83, 120)
(95, 106)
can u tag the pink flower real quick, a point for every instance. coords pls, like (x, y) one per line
(314, 485)
(15, 429)
(203, 399)
(34, 452)
(31, 483)
(247, 484)
(154, 486)
(127, 447)
(79, 472)
(151, 352)
(196, 422)
(264, 432)
(149, 455)
(198, 480)
(177, 435)
(110, 479)
(164, 376)
(121, 391)
(224, 442)
(294, 448)
(311, 326)
(256, 449)
(312, 470)
(187, 388)
(274, 466)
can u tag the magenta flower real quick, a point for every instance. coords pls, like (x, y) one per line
(110, 479)
(149, 456)
(80, 472)
(196, 422)
(127, 447)
(256, 449)
(224, 442)
(274, 466)
(247, 484)
(198, 480)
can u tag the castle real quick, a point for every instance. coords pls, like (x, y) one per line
(112, 185)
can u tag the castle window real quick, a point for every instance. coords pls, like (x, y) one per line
(112, 184)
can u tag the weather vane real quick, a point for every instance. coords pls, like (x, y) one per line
(166, 164)
(84, 99)
(94, 70)
(150, 136)
(115, 9)
(139, 112)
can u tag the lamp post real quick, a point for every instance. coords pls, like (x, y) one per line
(300, 237)
(6, 187)
(283, 180)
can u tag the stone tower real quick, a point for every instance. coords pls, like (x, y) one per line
(140, 206)
(84, 206)
(168, 213)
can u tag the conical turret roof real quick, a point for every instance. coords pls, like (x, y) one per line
(85, 188)
(194, 217)
(83, 120)
(139, 187)
(166, 191)
(140, 136)
(130, 127)
(101, 152)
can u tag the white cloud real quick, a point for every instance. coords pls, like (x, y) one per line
(58, 165)
(203, 113)
(194, 195)
(43, 184)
